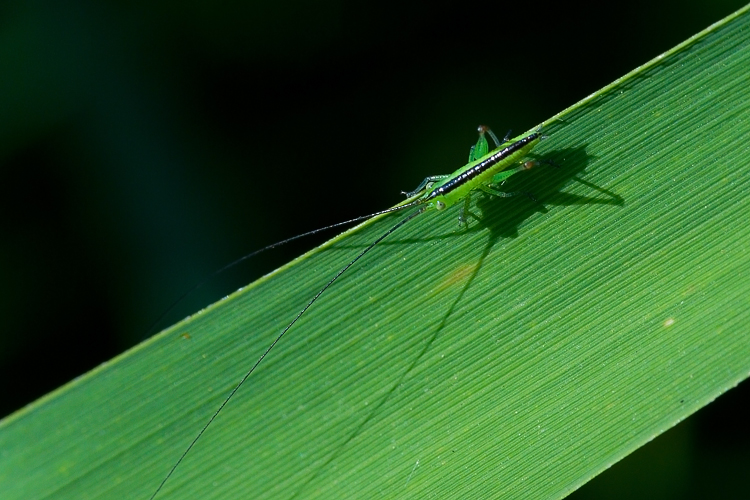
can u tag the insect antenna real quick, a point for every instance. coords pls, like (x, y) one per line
(296, 318)
(269, 247)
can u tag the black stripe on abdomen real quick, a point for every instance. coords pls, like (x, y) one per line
(483, 166)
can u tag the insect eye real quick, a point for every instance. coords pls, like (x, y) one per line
(440, 205)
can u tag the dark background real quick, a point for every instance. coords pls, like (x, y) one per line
(143, 145)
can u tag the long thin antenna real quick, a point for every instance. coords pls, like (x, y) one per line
(269, 247)
(299, 315)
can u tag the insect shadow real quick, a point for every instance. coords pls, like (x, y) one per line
(503, 221)
(501, 218)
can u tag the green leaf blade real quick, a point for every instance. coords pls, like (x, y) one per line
(514, 360)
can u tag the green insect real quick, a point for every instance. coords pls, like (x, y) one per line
(485, 171)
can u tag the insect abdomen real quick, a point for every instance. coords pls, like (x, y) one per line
(460, 184)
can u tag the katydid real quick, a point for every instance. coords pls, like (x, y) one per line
(485, 171)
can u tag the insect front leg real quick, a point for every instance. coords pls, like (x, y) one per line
(425, 184)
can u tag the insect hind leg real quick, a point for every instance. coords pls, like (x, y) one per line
(502, 194)
(533, 163)
(500, 178)
(484, 129)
